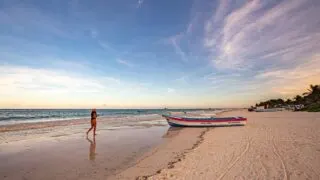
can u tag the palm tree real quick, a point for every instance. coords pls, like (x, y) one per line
(314, 89)
(313, 94)
(288, 101)
(298, 99)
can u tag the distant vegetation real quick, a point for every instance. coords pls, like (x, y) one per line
(310, 100)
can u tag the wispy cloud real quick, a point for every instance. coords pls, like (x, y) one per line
(94, 33)
(139, 86)
(182, 79)
(189, 28)
(19, 79)
(107, 47)
(192, 24)
(292, 80)
(259, 32)
(124, 62)
(218, 78)
(221, 11)
(175, 42)
(171, 90)
(27, 87)
(273, 82)
(139, 4)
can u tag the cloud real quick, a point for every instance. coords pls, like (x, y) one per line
(108, 47)
(189, 28)
(192, 24)
(259, 32)
(138, 86)
(171, 90)
(182, 79)
(94, 33)
(124, 62)
(221, 10)
(175, 42)
(28, 87)
(183, 37)
(20, 79)
(292, 80)
(187, 40)
(275, 82)
(221, 78)
(139, 4)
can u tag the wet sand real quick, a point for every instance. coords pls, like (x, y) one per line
(75, 156)
(61, 150)
(178, 142)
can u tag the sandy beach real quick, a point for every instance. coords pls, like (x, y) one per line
(273, 145)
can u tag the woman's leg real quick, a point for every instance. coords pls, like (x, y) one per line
(89, 130)
(94, 129)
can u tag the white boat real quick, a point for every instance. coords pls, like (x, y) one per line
(270, 110)
(177, 121)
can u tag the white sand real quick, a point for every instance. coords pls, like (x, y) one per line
(273, 145)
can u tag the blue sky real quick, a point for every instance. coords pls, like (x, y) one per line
(155, 54)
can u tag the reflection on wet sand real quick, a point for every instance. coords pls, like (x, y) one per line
(92, 148)
(171, 132)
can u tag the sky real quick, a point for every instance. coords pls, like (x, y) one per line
(156, 54)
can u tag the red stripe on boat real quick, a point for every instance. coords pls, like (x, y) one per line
(222, 120)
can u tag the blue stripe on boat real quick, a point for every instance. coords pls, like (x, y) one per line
(175, 125)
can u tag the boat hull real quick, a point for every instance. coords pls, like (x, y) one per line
(205, 122)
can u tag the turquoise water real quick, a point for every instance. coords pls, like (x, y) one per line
(11, 116)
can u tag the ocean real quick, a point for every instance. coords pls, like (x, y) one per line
(15, 116)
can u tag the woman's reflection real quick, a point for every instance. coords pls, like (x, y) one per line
(92, 149)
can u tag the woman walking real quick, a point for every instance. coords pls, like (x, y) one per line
(93, 122)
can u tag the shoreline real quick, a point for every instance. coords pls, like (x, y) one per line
(112, 120)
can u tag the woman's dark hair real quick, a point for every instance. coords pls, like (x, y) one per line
(93, 112)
